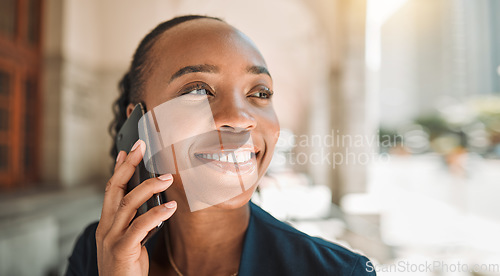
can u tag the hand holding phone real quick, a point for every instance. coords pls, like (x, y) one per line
(125, 139)
(121, 234)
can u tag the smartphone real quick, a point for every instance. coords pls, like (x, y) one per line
(125, 139)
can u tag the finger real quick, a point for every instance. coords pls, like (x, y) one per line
(119, 159)
(135, 198)
(126, 169)
(141, 226)
(117, 184)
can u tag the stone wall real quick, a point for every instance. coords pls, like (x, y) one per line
(39, 229)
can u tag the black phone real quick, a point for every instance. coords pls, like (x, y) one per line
(125, 139)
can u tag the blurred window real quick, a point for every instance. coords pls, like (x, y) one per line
(20, 100)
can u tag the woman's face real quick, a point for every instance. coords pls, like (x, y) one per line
(210, 89)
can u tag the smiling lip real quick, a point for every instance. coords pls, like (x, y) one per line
(230, 160)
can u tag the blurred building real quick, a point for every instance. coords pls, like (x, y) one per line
(434, 52)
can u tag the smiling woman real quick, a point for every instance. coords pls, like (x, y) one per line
(209, 94)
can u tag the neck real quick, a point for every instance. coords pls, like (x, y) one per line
(209, 240)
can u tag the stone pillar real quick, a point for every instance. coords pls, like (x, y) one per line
(345, 22)
(51, 106)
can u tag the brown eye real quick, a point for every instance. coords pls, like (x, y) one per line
(197, 89)
(262, 93)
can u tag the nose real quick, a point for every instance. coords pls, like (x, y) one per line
(232, 113)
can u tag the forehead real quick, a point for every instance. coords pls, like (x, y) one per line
(204, 41)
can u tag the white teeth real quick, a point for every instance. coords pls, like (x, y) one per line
(223, 158)
(240, 158)
(230, 157)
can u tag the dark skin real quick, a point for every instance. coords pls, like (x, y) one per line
(208, 241)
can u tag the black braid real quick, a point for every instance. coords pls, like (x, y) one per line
(131, 83)
(120, 111)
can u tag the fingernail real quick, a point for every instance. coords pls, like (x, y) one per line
(118, 156)
(171, 204)
(165, 177)
(136, 145)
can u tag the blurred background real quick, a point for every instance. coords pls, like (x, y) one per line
(389, 110)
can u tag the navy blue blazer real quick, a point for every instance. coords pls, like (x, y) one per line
(271, 247)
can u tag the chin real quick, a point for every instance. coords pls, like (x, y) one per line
(238, 201)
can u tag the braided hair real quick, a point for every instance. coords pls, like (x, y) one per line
(130, 86)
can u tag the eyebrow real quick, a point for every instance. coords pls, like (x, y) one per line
(207, 68)
(258, 70)
(204, 68)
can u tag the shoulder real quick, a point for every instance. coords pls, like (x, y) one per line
(298, 253)
(83, 259)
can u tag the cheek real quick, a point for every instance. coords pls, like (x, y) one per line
(271, 129)
(180, 120)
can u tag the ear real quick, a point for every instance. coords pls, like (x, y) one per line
(130, 108)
